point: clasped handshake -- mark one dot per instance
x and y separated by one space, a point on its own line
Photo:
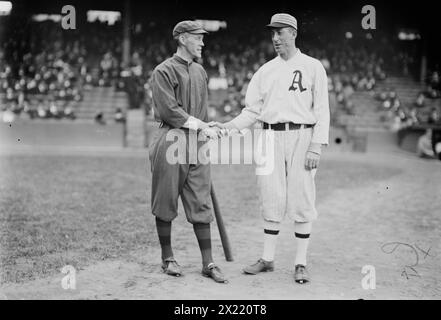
215 130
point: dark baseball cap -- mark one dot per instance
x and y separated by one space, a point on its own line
188 26
282 20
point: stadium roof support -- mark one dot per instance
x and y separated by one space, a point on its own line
127 17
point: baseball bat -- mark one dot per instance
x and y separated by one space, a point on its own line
220 225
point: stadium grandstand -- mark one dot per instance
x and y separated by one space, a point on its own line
384 80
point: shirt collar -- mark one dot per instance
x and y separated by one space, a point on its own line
181 60
293 58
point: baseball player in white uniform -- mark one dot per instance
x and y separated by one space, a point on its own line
288 95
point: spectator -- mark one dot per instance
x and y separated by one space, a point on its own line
396 124
99 118
433 93
7 116
433 117
402 115
424 145
413 117
41 111
119 116
434 80
395 103
436 142
69 113
53 111
419 102
387 104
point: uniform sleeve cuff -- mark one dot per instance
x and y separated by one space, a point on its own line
194 124
315 147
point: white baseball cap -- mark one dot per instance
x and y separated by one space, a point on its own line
282 20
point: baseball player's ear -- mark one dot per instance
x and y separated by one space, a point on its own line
181 39
293 31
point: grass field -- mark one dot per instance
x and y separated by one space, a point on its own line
77 210
57 210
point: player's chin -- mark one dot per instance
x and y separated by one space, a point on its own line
198 54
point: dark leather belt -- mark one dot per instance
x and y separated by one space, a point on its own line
286 126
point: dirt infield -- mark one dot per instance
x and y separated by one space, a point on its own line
379 210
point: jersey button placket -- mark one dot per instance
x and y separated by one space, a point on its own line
190 91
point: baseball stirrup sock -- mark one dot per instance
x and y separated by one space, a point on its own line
302 248
302 231
164 234
269 244
202 232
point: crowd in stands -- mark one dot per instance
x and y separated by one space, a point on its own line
45 71
44 74
433 86
420 111
44 86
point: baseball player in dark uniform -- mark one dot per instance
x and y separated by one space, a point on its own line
287 97
180 96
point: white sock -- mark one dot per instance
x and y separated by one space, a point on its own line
269 244
302 232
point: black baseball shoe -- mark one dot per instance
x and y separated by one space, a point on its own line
301 275
214 272
171 267
260 266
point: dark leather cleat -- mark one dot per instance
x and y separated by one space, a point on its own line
260 266
171 267
214 272
301 275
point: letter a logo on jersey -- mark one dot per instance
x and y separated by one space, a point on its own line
297 82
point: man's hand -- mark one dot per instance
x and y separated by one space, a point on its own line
220 128
312 160
217 124
225 128
210 133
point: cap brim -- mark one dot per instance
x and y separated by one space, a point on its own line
278 25
198 31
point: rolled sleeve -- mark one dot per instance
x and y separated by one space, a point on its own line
164 100
321 107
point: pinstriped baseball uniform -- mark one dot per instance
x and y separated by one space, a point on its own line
295 91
